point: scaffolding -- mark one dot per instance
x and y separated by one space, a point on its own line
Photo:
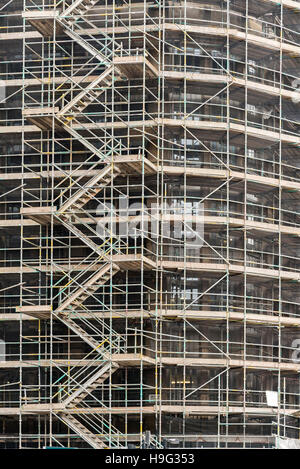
149 277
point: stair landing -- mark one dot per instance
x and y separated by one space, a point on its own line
43 21
42 117
134 262
39 311
133 66
41 215
132 164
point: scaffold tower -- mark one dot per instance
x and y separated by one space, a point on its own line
149 278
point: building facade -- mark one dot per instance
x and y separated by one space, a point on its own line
149 223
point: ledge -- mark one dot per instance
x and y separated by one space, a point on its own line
31 409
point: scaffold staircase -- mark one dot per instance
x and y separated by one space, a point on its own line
106 341
82 389
87 338
89 190
102 53
88 95
78 9
110 341
74 301
69 310
93 440
110 435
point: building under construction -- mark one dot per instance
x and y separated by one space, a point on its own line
149 276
